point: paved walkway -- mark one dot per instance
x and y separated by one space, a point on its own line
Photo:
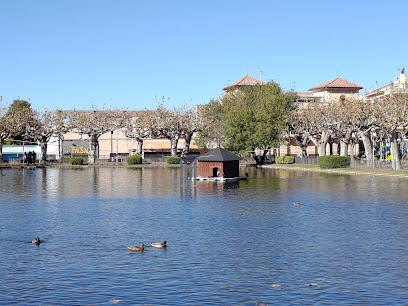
351 171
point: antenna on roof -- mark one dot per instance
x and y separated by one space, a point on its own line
247 69
338 72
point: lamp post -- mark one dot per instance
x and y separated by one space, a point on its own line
117 146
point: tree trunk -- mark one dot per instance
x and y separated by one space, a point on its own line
187 142
43 154
61 148
1 150
303 150
174 142
139 147
321 143
321 149
343 148
302 142
367 145
93 141
344 143
395 152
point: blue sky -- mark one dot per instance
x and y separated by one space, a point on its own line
66 54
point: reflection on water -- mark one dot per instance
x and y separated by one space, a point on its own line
238 243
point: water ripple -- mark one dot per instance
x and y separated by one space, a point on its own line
227 244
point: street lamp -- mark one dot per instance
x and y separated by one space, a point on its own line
117 146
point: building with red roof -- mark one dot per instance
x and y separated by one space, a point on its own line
332 90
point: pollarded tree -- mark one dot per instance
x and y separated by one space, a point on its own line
391 115
296 129
167 123
318 125
135 126
95 123
41 125
191 122
363 122
341 123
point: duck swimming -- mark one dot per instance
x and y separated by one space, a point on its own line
36 241
297 203
159 244
136 248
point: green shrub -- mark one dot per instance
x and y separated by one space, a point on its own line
285 160
334 161
134 159
172 160
76 161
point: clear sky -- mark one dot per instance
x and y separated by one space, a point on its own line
66 54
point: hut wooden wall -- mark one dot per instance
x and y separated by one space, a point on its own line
227 168
206 168
231 168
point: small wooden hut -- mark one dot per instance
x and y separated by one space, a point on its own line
218 163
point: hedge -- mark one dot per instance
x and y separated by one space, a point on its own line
285 160
76 161
334 161
134 159
172 160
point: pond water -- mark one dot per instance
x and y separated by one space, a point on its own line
228 244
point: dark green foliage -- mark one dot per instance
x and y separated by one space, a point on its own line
21 112
212 129
134 160
18 106
76 160
172 160
253 117
334 161
285 160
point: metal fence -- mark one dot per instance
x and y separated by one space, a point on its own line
308 160
355 162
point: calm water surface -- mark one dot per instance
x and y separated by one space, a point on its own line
234 245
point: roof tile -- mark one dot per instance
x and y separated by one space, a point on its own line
245 81
337 83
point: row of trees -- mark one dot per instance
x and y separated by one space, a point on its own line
253 117
349 120
239 121
20 122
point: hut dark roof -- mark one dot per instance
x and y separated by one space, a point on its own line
218 155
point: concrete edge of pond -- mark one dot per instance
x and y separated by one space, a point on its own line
374 172
56 165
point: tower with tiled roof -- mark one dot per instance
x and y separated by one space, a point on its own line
246 80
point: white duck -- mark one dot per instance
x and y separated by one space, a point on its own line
36 241
159 244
